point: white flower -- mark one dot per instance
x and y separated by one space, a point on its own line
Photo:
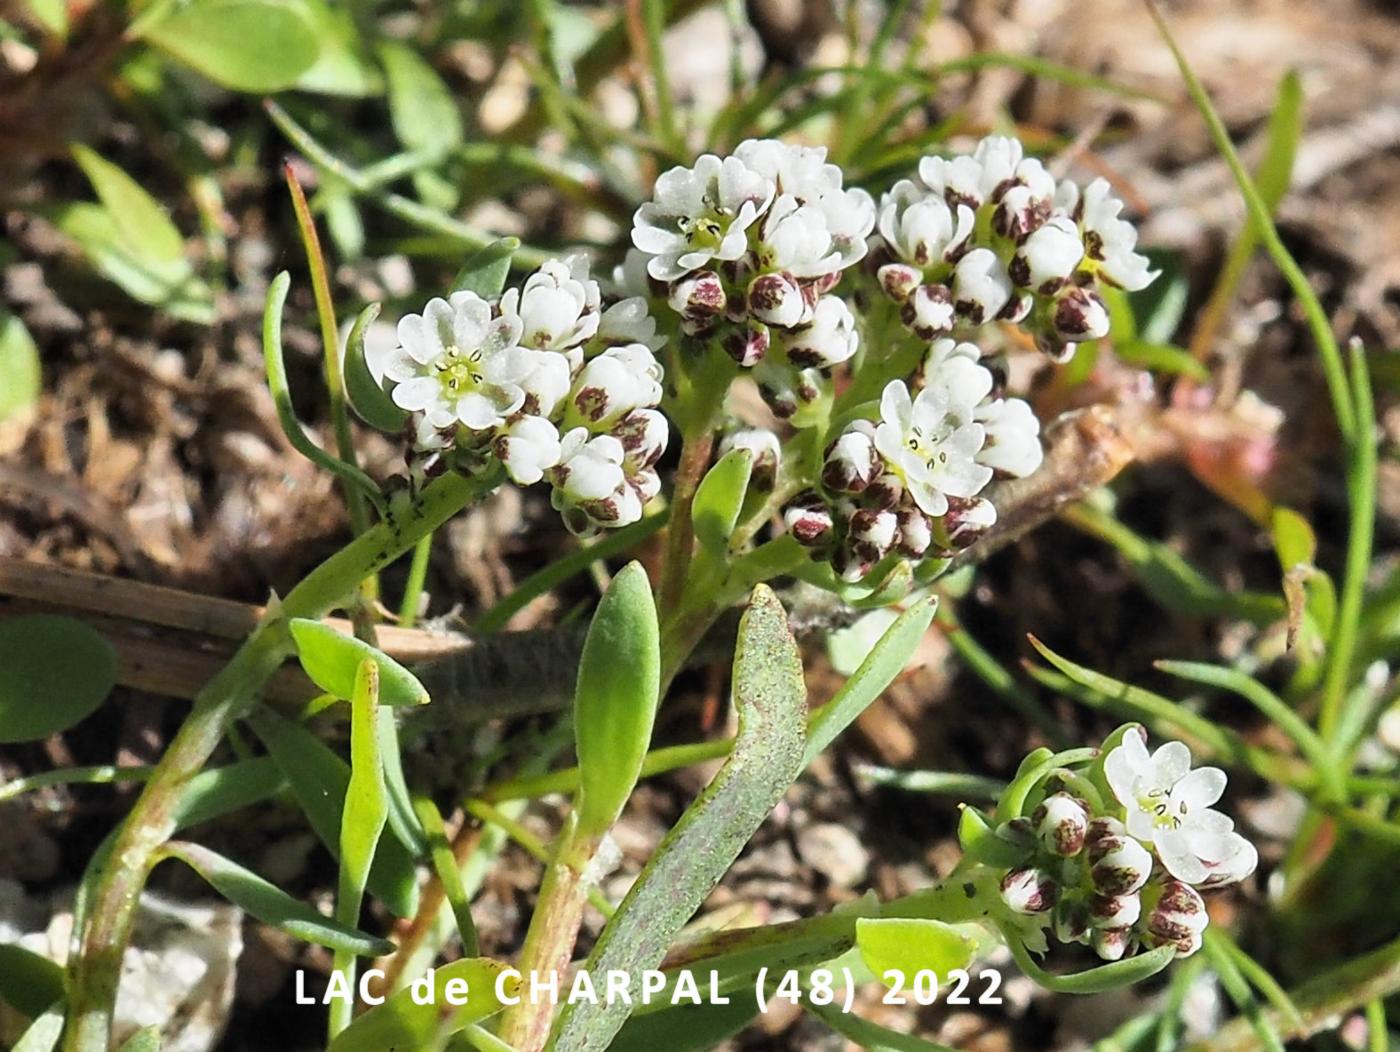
1169 805
629 321
803 174
590 483
644 434
548 382
1013 437
851 461
828 339
796 238
776 299
614 383
527 446
1179 918
557 306
973 179
981 286
699 214
929 311
1049 255
922 228
455 364
1108 239
931 442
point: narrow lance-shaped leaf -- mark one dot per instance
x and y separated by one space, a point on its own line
428 1010
147 1039
271 904
911 945
366 805
769 696
19 366
319 780
720 498
42 1034
1093 980
331 660
247 45
28 982
619 680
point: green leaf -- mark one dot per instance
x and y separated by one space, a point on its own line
147 1039
20 378
139 218
246 45
1094 980
421 107
687 1027
449 872
1158 309
52 15
368 397
871 1036
43 1033
1163 358
884 662
29 983
770 698
910 945
218 791
719 499
342 67
331 659
57 671
1294 539
270 904
486 270
366 802
319 780
1285 130
402 1023
619 683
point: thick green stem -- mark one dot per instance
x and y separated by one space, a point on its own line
95 970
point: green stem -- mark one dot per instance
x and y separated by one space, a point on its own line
413 587
92 982
100 775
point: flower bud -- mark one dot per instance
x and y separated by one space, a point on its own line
1178 919
763 444
1029 890
1080 315
747 344
808 519
1111 943
980 286
852 460
1018 308
1061 822
968 518
1048 257
644 434
1118 865
898 280
1071 919
527 446
1020 211
699 299
852 561
886 491
776 299
928 312
828 339
1115 911
876 528
613 384
915 532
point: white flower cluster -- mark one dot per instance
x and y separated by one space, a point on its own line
993 236
748 248
909 482
1129 877
545 381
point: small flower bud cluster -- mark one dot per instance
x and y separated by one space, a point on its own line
1127 877
992 236
748 248
547 383
908 483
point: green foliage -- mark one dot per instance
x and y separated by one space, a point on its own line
246 45
486 270
406 1023
332 660
719 500
910 944
367 396
769 695
20 377
43 1033
270 904
619 681
57 671
29 983
147 1039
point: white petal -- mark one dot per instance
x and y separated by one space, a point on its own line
1200 788
1170 764
476 411
1124 766
1181 861
417 394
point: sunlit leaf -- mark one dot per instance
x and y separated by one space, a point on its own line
29 983
719 499
911 945
486 270
19 366
56 672
421 107
246 45
270 904
615 703
402 1022
331 659
367 395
